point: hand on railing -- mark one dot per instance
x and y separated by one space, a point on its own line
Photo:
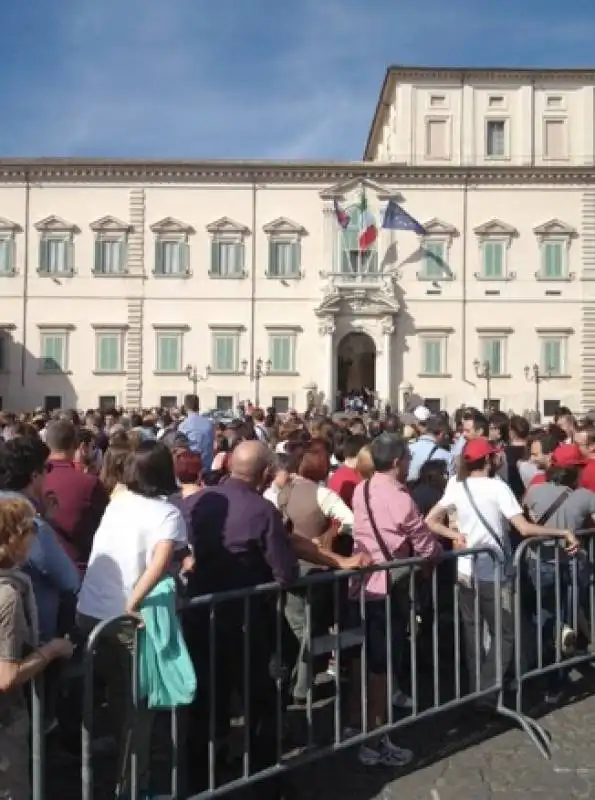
358 561
573 545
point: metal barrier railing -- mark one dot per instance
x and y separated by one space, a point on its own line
554 593
262 642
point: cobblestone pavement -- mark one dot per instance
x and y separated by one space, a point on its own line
456 761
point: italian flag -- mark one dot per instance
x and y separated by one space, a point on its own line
368 230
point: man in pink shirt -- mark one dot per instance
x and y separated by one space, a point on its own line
388 526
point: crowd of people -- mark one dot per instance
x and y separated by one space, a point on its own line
97 509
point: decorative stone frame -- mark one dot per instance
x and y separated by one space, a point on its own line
554 230
8 232
173 230
111 229
491 232
283 230
56 228
443 232
228 231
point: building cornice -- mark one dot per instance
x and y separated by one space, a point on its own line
68 171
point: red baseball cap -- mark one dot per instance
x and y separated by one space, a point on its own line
568 455
477 449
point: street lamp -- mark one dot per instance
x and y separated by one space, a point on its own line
484 371
535 375
192 373
261 370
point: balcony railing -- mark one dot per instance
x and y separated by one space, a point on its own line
349 279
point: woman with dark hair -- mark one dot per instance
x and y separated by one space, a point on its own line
483 504
132 551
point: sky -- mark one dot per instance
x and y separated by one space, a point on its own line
276 79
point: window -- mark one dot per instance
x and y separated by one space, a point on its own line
491 405
433 260
172 252
226 351
224 402
495 138
554 139
169 351
107 402
282 352
493 260
168 401
433 352
437 145
56 255
7 255
354 260
109 351
553 355
109 257
52 402
554 238
433 404
280 404
493 354
284 259
550 408
553 259
227 259
54 351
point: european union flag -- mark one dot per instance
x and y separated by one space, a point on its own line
397 219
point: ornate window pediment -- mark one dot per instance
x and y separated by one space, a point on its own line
283 225
436 227
227 225
554 228
171 225
108 224
54 224
495 227
8 226
339 190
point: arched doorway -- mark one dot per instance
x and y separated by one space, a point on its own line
356 363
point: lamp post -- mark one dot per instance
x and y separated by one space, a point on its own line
261 370
535 375
484 371
193 375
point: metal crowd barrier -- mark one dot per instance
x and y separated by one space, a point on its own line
239 640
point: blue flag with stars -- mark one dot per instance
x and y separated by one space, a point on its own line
397 219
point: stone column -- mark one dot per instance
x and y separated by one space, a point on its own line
385 384
326 328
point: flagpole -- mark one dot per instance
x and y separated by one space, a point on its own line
362 209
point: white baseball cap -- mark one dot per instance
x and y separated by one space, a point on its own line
422 414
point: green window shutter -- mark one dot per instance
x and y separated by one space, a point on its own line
281 354
99 265
44 259
224 353
159 257
215 259
184 258
168 353
7 253
53 352
273 260
296 258
109 353
552 356
432 357
433 259
69 257
239 258
553 260
493 352
493 261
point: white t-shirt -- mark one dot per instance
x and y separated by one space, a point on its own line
122 550
498 505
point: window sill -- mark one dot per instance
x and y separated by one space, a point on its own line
496 158
434 375
229 373
495 377
123 274
236 277
43 274
172 276
562 377
296 277
444 278
511 276
561 279
108 372
9 274
54 372
170 372
282 374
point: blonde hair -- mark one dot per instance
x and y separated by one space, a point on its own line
364 464
16 524
409 433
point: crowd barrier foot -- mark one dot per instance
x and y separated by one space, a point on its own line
538 735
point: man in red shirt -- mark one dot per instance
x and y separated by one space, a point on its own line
344 479
587 478
78 499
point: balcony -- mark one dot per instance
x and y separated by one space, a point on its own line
360 280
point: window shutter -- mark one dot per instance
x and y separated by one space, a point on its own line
240 258
44 265
296 252
69 265
159 257
273 260
99 260
123 256
184 258
215 262
12 256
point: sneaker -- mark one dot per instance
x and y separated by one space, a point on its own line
401 700
387 754
568 640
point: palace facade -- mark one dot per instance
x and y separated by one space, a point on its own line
130 283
